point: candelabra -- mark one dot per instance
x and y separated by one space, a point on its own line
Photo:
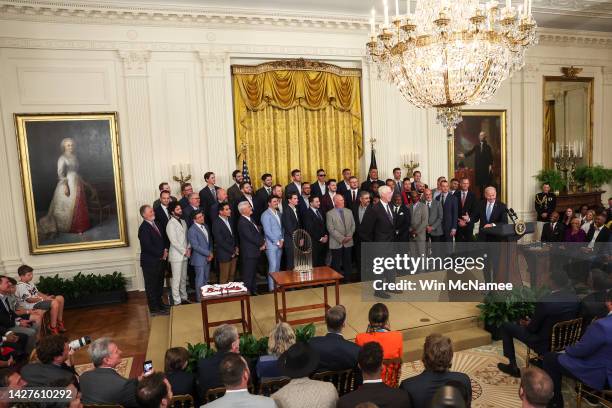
410 163
184 173
565 157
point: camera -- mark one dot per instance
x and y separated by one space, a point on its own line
80 342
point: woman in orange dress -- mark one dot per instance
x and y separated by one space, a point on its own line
379 331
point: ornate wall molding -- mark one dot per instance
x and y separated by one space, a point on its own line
531 73
607 75
299 64
135 62
213 63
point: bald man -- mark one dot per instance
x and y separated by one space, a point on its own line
536 388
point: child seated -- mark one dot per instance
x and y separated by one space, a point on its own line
31 299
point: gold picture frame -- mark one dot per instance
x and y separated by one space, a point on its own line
71 180
465 137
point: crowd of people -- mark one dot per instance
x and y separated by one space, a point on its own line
369 358
223 230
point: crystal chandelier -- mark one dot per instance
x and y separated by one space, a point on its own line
450 53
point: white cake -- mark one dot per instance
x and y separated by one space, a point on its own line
230 288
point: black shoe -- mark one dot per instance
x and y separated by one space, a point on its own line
160 313
186 302
509 369
165 307
381 294
397 292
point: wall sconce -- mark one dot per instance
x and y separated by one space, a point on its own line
181 173
410 162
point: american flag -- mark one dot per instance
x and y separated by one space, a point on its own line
245 172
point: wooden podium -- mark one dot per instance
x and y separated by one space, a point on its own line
323 275
507 256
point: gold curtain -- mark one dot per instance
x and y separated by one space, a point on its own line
550 136
297 118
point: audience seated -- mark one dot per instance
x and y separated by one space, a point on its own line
16 333
589 360
335 352
54 362
561 304
437 359
104 385
373 390
226 341
568 214
536 389
554 230
34 316
154 391
593 305
280 339
379 331
175 364
574 233
234 372
298 363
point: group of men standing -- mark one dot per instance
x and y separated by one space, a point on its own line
217 227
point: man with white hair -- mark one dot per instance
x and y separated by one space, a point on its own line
341 227
251 244
104 385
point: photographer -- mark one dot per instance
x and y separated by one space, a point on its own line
55 363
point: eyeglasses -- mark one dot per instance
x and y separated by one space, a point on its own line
321 175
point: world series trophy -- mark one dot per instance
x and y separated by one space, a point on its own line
302 251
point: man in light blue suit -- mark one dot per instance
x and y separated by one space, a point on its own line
589 360
235 374
200 239
273 231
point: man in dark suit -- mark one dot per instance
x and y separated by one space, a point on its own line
450 210
295 186
314 224
372 179
598 233
103 384
553 231
401 214
233 192
247 195
186 191
261 195
153 252
336 353
437 359
416 175
304 199
545 203
20 342
535 331
588 361
162 215
373 390
380 227
226 243
327 201
251 244
208 194
490 212
54 363
351 195
344 185
193 206
319 187
466 204
290 220
163 186
362 216
226 341
483 162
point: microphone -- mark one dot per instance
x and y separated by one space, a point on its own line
513 216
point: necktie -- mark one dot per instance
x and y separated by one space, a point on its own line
443 199
429 204
389 214
354 195
268 190
204 231
227 224
462 198
489 211
213 190
342 217
318 214
155 228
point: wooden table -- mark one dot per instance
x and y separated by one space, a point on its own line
245 312
323 275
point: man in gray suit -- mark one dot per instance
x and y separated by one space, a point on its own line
341 227
434 221
235 375
418 224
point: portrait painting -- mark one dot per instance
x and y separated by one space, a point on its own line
478 151
71 178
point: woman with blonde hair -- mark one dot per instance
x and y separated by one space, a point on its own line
281 338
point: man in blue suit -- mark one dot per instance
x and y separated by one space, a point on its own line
200 239
589 361
153 253
274 234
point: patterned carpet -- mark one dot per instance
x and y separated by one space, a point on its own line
123 368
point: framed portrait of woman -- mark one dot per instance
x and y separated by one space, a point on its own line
71 179
477 151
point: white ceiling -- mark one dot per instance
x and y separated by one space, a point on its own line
588 15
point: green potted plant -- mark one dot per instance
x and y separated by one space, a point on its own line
552 177
86 290
196 352
499 308
593 176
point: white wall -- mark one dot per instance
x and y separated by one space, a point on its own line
171 85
